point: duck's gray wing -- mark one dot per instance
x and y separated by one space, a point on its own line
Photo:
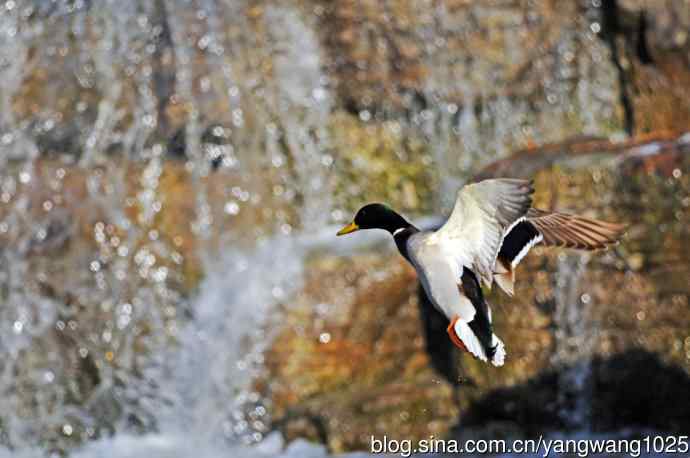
483 213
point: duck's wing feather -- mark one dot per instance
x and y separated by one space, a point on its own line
439 275
551 229
573 231
483 213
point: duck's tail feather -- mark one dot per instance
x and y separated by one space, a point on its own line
476 335
499 355
466 339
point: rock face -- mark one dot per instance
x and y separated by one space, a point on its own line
559 67
352 361
650 48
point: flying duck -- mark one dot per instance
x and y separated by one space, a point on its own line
490 230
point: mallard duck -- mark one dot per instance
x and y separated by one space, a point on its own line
490 230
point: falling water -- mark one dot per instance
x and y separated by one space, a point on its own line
575 336
121 314
225 342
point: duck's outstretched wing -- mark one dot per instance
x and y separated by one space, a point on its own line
572 231
483 213
550 229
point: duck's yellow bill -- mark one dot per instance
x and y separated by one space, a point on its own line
349 228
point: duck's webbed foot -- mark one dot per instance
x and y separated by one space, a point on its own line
453 335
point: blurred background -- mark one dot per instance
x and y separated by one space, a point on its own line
173 172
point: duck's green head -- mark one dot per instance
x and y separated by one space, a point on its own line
375 216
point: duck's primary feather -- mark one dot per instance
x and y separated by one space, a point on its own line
572 231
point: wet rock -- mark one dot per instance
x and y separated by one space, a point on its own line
380 162
650 49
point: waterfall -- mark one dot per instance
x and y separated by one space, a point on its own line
575 336
120 312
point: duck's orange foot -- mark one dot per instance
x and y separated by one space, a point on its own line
453 335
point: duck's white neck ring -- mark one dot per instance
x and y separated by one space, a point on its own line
398 230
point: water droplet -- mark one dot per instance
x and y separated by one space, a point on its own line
278 292
231 208
237 117
48 376
277 160
204 42
149 120
205 84
160 274
123 321
324 337
319 93
41 234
